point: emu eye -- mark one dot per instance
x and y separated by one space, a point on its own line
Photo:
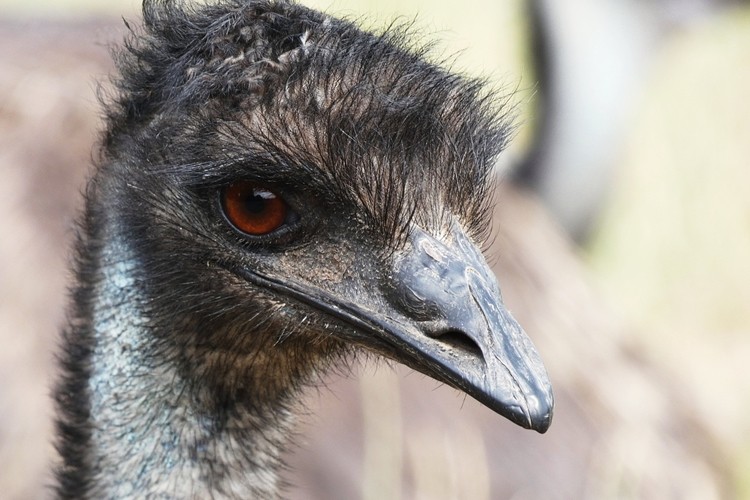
253 209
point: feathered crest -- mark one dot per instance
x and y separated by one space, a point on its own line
399 136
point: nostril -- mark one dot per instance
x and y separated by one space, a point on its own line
446 334
459 340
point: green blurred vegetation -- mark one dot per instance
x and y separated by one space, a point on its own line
673 250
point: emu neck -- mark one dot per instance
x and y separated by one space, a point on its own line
155 429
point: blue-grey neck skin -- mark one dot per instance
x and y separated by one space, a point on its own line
153 431
174 380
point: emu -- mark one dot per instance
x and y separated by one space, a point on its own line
277 192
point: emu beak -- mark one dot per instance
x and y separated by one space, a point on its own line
439 311
460 332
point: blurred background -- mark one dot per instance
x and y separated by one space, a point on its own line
622 244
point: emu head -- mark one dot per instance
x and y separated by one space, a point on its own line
294 189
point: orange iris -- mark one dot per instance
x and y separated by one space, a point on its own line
252 208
